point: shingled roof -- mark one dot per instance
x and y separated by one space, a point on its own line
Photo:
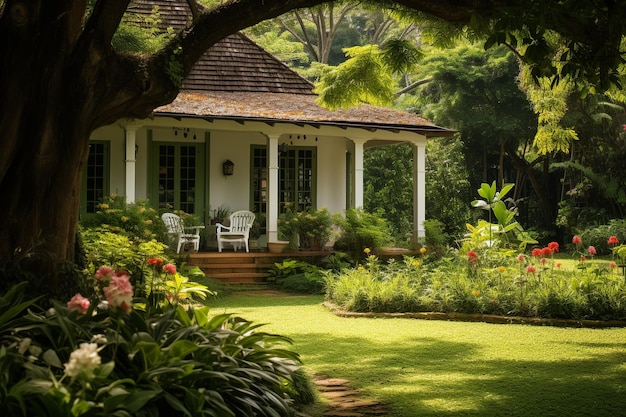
238 80
234 64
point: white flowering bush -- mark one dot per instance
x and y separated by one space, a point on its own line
105 357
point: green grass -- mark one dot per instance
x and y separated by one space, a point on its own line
434 368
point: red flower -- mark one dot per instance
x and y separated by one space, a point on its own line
546 251
576 240
591 250
536 252
155 261
582 258
554 246
613 240
543 261
472 256
612 265
169 268
559 264
520 257
531 269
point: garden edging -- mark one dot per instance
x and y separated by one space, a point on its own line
477 317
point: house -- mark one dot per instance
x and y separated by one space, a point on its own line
246 132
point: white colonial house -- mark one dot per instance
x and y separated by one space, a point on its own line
247 133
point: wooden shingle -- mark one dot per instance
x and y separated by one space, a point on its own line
234 64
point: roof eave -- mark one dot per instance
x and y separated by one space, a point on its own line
427 130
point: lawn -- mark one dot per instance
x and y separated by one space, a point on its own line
433 368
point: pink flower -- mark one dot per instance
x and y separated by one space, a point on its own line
530 269
554 246
119 293
576 240
80 303
169 268
104 272
613 240
612 265
591 250
520 257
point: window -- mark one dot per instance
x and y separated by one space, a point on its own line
296 178
179 177
96 177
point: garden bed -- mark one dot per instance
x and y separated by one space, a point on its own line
477 317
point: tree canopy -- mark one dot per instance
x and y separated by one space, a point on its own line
61 78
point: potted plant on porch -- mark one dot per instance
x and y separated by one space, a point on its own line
308 230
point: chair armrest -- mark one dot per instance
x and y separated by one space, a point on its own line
220 226
196 229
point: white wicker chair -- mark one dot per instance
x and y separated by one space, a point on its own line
238 232
176 231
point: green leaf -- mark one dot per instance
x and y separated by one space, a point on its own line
488 192
51 358
131 402
182 348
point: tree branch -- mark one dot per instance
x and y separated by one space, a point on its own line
104 20
413 85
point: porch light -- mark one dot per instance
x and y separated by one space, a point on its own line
228 167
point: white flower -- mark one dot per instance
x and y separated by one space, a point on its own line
83 361
24 345
99 339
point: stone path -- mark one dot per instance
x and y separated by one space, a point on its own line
346 401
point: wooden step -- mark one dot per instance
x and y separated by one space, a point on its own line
242 267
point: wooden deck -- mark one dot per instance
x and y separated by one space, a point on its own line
231 267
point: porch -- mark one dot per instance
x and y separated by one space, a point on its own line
232 268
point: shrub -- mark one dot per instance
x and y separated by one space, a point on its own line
360 230
83 359
598 236
138 220
297 276
519 286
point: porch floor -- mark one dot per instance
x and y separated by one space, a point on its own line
229 267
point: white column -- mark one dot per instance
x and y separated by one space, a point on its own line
131 143
272 188
419 190
358 171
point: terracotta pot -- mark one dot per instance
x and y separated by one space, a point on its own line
277 246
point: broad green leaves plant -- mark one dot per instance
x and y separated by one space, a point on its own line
507 228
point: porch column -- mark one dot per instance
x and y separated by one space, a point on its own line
131 142
419 191
358 171
272 188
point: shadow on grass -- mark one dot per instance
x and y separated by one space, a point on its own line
433 376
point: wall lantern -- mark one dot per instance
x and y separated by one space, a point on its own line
228 167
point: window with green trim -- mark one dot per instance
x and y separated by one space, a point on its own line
296 178
96 176
179 170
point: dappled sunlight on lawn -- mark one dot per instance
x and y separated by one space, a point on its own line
432 368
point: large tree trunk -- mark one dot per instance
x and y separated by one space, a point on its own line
60 79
